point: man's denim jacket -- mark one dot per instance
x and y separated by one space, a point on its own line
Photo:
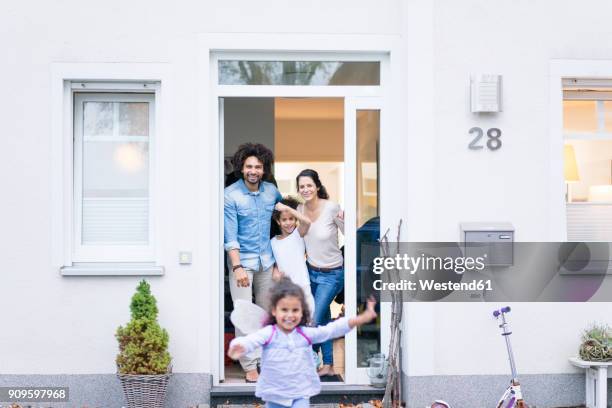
247 219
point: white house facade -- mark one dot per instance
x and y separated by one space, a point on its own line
118 118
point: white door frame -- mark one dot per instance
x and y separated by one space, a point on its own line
212 47
351 105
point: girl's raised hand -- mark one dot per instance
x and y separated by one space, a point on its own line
281 207
366 316
236 351
370 312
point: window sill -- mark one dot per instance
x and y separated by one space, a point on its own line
112 269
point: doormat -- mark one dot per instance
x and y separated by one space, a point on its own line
331 378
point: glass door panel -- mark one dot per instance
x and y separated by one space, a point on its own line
362 210
368 221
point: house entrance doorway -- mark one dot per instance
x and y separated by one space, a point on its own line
335 130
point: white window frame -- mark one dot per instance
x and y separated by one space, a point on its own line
118 252
584 218
67 79
581 95
590 72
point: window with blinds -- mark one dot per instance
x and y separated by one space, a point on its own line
113 134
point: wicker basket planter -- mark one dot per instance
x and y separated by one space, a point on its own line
145 391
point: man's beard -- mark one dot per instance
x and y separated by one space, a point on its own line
253 179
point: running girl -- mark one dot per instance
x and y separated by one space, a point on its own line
288 374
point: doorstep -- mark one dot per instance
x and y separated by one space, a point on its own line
312 405
331 394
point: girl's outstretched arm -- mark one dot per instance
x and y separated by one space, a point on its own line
320 334
340 327
236 351
243 345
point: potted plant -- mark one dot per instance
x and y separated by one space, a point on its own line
143 362
596 343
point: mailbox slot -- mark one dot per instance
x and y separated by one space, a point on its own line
494 242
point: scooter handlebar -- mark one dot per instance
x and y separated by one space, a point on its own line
506 309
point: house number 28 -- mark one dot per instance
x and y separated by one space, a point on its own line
493 138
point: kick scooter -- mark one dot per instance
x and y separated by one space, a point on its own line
512 397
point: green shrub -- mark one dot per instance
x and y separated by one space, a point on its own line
596 343
143 305
143 344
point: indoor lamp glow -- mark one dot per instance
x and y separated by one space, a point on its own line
129 158
570 168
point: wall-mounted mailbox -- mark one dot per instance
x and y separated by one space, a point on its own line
492 241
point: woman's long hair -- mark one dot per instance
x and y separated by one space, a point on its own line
321 191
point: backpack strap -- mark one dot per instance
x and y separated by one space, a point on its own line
299 330
271 335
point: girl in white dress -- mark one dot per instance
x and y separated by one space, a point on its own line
288 247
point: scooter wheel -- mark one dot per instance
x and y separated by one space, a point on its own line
440 404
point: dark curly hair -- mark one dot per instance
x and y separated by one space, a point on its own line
258 150
289 202
321 191
286 288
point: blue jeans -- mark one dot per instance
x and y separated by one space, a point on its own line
325 286
298 403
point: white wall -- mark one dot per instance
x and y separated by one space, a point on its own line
54 324
517 40
544 336
511 183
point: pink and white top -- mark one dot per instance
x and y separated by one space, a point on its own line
287 367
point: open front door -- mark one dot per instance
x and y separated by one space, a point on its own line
363 119
340 93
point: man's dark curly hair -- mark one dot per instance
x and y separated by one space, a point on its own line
258 150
